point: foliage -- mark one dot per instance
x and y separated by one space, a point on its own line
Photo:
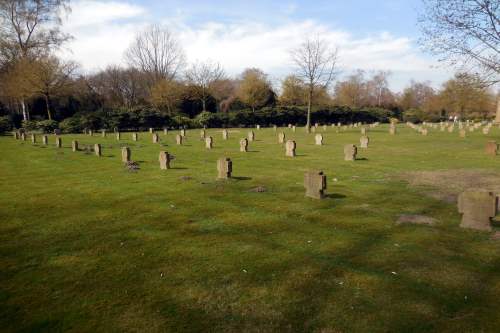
5 124
71 125
46 126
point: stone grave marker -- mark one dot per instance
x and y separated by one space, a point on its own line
244 145
491 148
209 142
224 168
350 152
281 137
98 150
290 147
315 184
318 139
364 141
156 138
126 154
164 159
478 206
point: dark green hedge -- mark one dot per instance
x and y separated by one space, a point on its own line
142 118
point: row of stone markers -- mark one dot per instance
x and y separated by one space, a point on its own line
477 206
491 147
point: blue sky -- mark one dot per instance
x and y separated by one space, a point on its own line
371 35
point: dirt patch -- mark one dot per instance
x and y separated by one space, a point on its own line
259 189
446 185
416 219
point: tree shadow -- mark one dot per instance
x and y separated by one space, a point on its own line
362 159
178 168
335 196
241 178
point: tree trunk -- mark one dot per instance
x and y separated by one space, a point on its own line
47 104
497 118
23 108
309 104
204 105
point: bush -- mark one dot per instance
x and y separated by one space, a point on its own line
29 125
182 121
71 125
206 119
46 126
5 124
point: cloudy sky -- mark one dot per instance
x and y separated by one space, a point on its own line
371 34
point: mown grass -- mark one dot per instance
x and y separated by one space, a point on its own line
87 246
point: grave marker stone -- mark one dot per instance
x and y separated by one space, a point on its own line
224 168
318 139
244 145
315 184
350 152
208 142
478 206
98 150
164 159
290 148
364 141
491 148
126 154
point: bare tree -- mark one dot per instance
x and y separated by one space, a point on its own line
157 52
30 28
465 33
202 76
316 64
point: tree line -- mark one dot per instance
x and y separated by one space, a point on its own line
38 86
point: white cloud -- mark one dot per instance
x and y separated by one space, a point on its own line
103 31
87 13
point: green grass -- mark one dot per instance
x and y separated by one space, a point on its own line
87 246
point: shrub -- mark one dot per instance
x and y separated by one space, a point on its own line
46 126
5 124
71 125
29 125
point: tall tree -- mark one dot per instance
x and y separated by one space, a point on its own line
202 76
166 93
254 89
352 91
29 29
51 77
464 97
224 92
316 64
157 52
464 33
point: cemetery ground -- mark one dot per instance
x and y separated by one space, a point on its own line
87 245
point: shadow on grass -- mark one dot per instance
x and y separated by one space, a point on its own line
335 196
241 178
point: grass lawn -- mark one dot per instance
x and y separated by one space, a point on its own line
86 245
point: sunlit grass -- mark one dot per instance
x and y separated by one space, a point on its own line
86 245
